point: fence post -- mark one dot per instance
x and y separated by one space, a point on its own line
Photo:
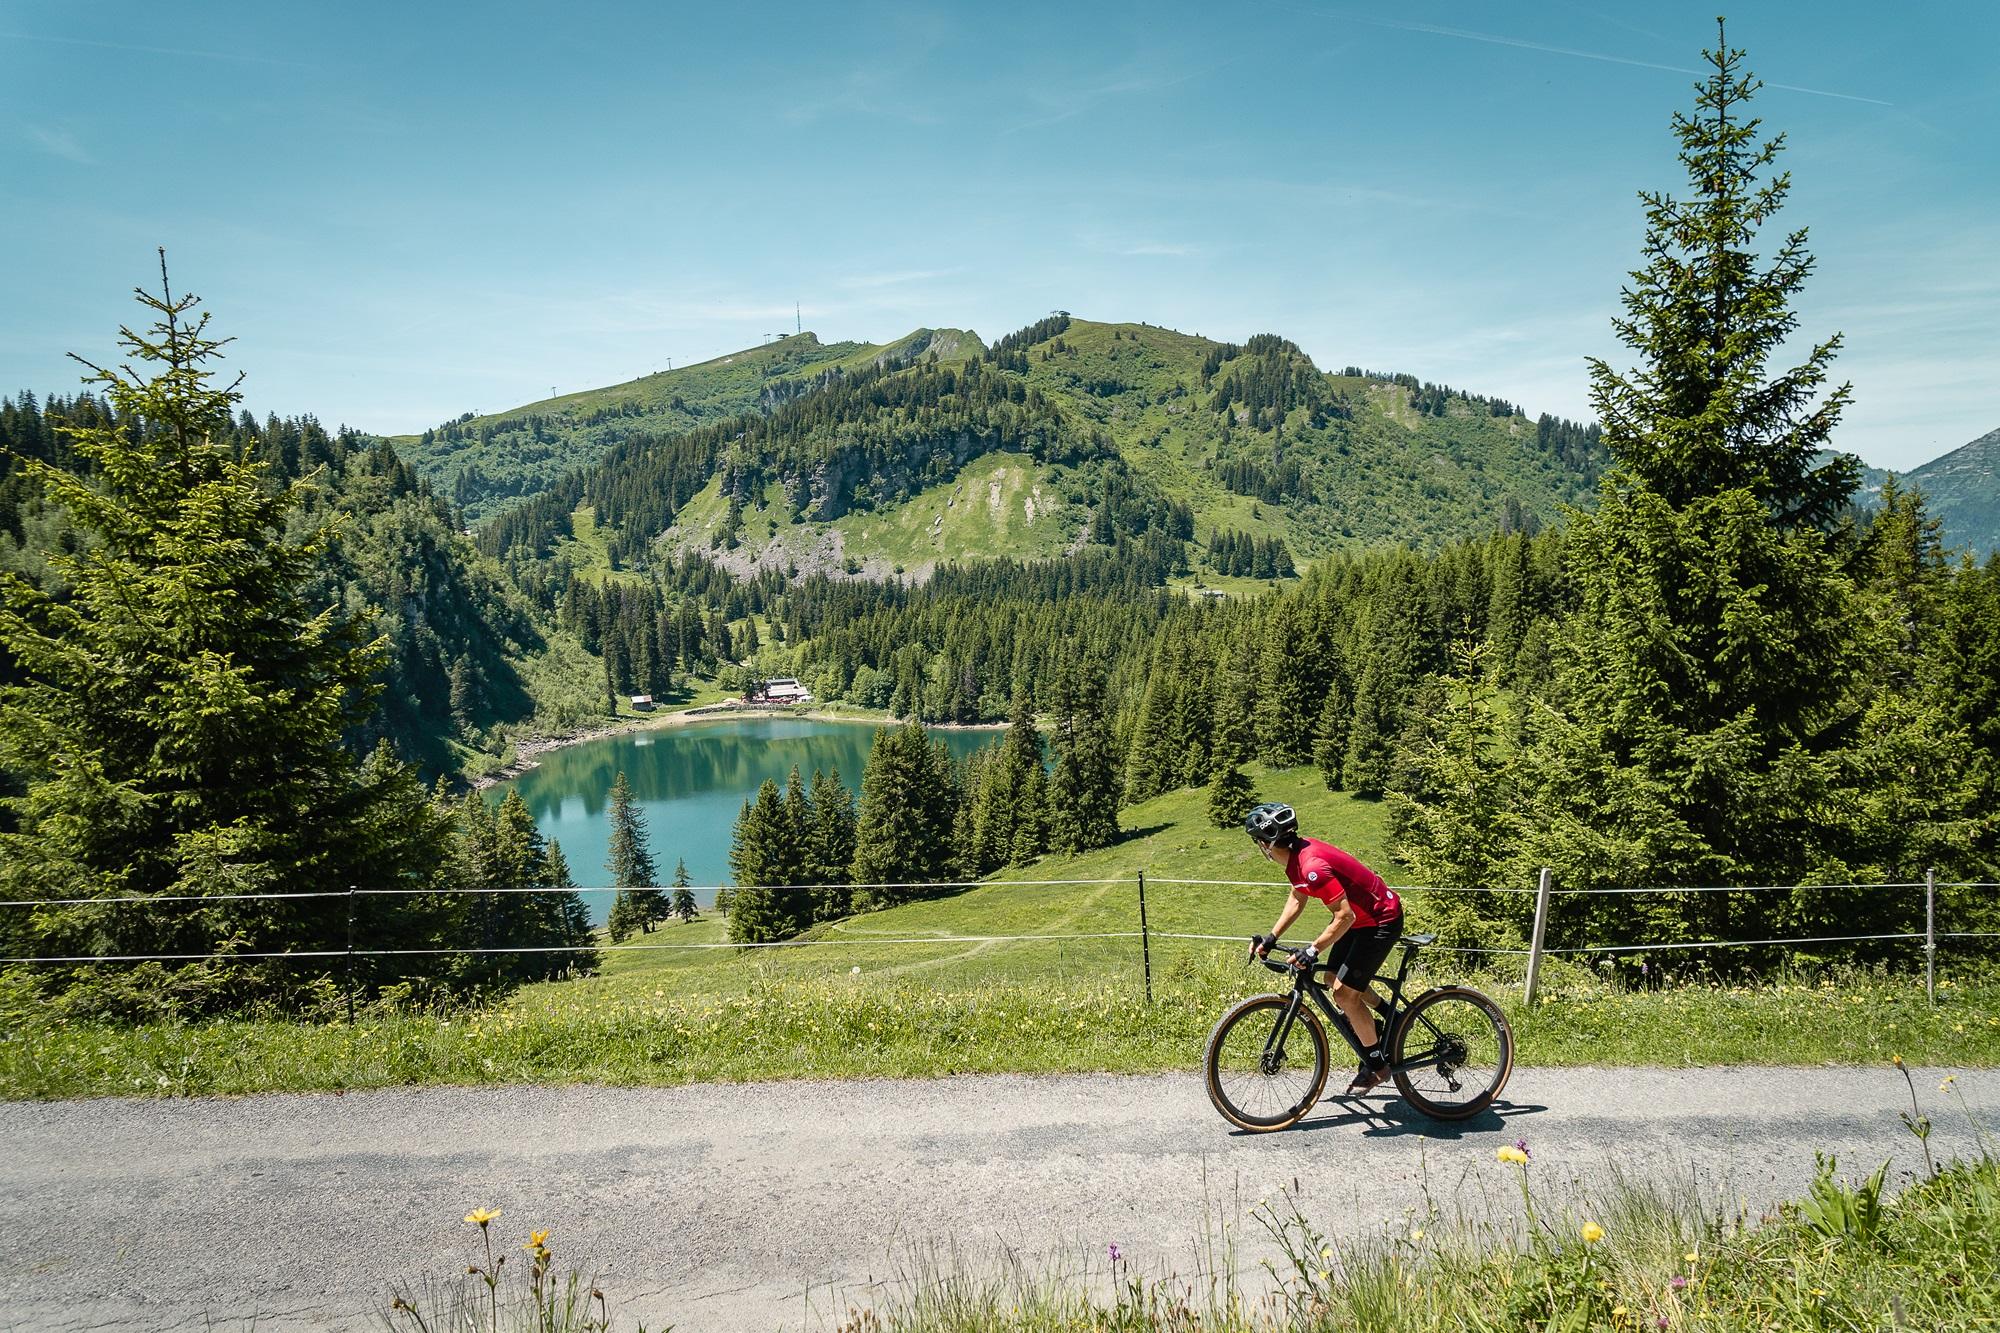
350 956
1535 944
1930 934
1145 938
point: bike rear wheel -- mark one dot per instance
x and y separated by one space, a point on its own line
1257 1081
1452 1053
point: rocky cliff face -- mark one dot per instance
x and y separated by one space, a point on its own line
1963 489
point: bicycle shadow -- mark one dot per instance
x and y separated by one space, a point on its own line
1395 1118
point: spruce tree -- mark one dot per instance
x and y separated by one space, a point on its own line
829 846
1714 716
684 904
756 860
172 720
640 904
903 833
1083 786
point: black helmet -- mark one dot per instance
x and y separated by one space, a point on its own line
1271 822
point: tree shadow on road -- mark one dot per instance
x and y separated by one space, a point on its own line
1395 1118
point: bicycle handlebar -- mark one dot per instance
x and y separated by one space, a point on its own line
1275 947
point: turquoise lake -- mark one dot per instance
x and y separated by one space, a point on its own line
690 781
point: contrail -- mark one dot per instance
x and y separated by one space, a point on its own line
1495 39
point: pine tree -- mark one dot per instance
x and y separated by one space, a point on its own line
903 834
640 905
829 847
1699 418
1715 716
172 722
1330 737
1083 787
684 904
756 860
1229 792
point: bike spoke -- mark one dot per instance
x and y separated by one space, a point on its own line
1464 1058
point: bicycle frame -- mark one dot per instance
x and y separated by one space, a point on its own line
1303 984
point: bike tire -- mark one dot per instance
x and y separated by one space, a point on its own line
1232 1084
1484 1041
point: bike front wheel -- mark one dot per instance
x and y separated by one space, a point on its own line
1452 1053
1264 1072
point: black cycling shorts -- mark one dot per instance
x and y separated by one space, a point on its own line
1358 955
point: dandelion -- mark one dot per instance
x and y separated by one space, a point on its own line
1896 1060
1592 1233
1510 1154
1692 1257
536 1239
480 1217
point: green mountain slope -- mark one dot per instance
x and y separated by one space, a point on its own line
1064 434
487 462
1963 489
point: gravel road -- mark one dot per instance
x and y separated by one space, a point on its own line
776 1206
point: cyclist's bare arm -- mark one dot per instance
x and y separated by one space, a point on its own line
1289 913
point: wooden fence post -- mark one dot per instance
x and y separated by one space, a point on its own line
1541 925
1930 934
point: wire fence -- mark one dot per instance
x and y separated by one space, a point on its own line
1547 894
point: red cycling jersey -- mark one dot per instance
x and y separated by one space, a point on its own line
1321 870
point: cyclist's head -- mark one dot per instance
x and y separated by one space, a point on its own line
1272 825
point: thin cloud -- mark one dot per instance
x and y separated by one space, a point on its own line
1068 103
60 143
1494 39
1158 248
233 56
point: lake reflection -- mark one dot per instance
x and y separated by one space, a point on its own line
690 781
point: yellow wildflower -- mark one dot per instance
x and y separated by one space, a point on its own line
536 1239
1417 1234
1592 1233
1692 1257
1511 1154
1896 1060
1949 1079
481 1216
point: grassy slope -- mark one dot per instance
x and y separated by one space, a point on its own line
521 460
1391 474
867 1007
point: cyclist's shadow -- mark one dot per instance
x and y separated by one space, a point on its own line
1394 1117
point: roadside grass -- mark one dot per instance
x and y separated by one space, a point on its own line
1618 1250
873 996
1620 1254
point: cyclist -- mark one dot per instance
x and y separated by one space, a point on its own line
1367 921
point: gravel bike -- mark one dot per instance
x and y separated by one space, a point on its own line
1450 1050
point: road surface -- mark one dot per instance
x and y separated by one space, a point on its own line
777 1206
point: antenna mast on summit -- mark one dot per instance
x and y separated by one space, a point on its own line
798 319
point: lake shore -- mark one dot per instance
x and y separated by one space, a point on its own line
528 751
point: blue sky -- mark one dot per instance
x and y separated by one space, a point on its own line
408 211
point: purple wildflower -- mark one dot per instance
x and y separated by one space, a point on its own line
1116 1253
1522 1145
1679 1283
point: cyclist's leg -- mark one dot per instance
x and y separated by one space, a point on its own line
1364 957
